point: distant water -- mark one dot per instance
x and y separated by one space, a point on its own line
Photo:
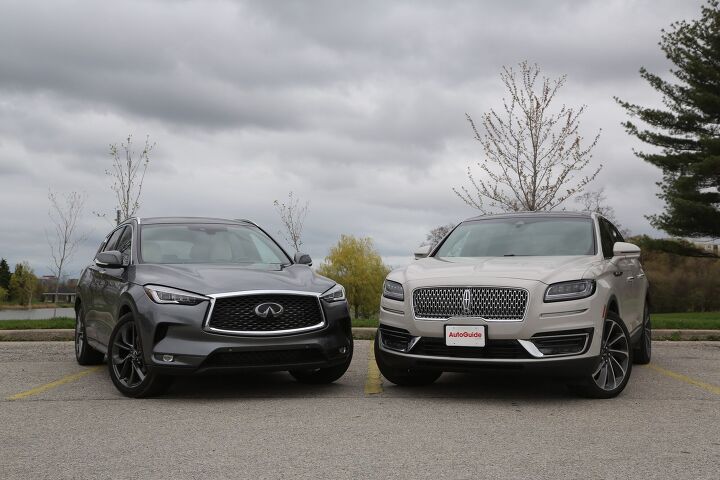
35 314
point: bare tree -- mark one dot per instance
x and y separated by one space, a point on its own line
532 154
292 214
595 201
128 174
65 211
437 234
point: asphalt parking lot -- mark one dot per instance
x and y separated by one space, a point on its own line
60 420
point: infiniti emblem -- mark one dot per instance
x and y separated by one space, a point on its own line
269 309
467 301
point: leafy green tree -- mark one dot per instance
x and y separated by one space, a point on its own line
3 294
687 129
4 274
356 265
23 284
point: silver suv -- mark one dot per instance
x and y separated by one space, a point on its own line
558 292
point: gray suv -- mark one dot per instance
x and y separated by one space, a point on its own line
172 296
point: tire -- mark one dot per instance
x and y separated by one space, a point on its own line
126 363
615 358
321 376
643 351
404 377
84 353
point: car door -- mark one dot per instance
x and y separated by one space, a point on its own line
94 302
619 270
635 281
113 281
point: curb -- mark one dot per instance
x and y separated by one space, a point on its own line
359 333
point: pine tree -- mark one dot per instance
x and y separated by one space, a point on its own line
687 130
4 274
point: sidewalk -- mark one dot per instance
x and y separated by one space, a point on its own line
359 333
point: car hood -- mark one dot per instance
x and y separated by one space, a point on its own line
484 269
211 279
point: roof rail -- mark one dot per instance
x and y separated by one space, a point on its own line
246 221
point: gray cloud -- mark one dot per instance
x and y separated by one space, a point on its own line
357 106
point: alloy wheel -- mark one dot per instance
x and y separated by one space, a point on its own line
127 363
79 334
614 357
647 329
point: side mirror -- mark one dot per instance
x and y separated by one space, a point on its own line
303 259
422 251
109 259
627 250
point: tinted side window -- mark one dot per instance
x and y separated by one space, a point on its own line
123 245
606 238
112 241
617 237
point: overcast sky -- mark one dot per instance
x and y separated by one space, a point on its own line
358 107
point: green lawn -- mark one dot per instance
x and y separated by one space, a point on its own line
691 321
14 306
365 322
61 322
679 321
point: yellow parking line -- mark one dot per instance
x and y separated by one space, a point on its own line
683 378
373 382
56 383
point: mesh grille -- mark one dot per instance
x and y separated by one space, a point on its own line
494 349
238 313
490 303
263 358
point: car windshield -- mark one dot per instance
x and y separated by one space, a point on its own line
211 243
520 236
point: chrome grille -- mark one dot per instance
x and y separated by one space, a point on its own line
490 303
237 314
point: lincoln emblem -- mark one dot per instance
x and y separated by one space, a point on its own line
467 301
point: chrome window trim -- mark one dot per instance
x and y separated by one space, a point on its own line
465 317
206 327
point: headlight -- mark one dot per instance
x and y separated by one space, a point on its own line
335 294
171 295
393 290
558 292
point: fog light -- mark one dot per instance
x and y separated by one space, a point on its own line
168 358
342 350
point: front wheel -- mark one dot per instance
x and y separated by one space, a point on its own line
319 376
127 366
643 350
612 373
404 377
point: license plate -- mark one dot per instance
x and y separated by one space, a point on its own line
465 336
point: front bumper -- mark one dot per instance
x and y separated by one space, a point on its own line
176 331
510 344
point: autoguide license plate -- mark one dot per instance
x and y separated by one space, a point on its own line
465 335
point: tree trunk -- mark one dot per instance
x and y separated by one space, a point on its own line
57 290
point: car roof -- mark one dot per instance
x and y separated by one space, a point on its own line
559 214
188 220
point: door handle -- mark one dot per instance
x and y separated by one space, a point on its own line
630 279
618 273
641 275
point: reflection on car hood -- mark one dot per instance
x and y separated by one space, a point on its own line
541 269
208 279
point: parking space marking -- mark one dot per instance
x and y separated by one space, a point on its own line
684 378
56 383
373 382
